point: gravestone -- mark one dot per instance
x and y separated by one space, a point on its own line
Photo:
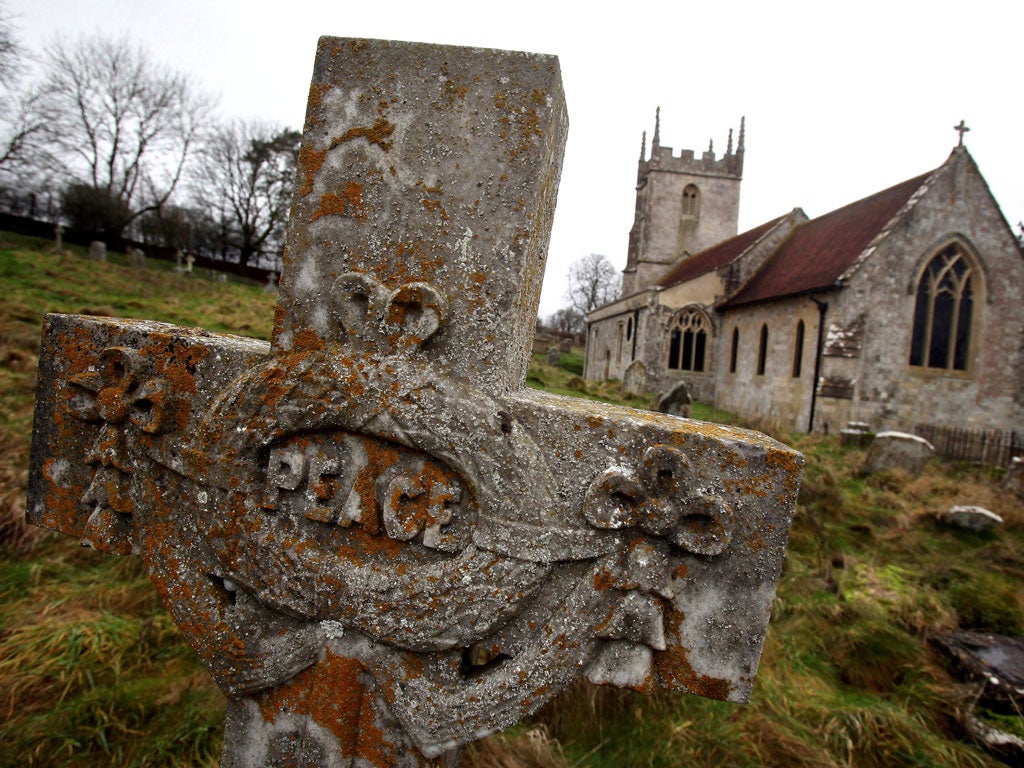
970 518
1014 480
634 380
136 257
676 401
380 544
897 450
856 434
553 356
98 250
271 284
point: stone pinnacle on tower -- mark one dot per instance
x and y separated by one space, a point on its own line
656 140
643 146
728 147
739 146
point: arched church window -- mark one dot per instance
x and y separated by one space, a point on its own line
943 312
688 341
734 350
629 329
798 350
762 350
691 201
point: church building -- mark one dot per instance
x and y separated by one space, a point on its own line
903 309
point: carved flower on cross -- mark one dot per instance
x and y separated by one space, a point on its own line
663 499
401 319
118 394
663 503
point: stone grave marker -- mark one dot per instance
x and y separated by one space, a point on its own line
676 401
553 356
634 380
98 250
897 450
380 544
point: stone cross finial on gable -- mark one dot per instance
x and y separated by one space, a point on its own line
961 128
378 542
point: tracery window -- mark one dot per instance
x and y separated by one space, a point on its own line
943 312
691 201
762 350
688 341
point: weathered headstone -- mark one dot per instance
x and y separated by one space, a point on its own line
1014 480
970 518
565 346
190 260
58 238
553 356
98 250
380 544
676 401
897 450
634 380
856 434
136 257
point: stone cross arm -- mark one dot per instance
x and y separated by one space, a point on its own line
378 542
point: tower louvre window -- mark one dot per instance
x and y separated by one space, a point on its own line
691 201
943 312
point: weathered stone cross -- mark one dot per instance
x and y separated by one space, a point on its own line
380 545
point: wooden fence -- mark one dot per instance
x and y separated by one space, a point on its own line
988 446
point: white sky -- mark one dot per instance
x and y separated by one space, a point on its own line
841 99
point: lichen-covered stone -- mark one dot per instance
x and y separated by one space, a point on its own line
380 544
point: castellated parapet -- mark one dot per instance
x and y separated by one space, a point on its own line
684 204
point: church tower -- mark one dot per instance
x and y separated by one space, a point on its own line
684 204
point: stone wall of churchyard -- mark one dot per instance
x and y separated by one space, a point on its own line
887 392
775 397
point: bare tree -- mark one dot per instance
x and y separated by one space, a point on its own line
593 282
121 125
21 120
244 182
567 320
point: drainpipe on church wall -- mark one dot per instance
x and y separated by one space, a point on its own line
822 308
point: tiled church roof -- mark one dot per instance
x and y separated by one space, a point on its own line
717 256
817 253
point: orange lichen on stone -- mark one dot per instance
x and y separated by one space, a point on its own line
674 670
330 692
348 203
311 161
379 133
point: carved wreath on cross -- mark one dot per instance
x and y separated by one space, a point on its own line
355 487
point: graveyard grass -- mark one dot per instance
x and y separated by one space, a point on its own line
93 672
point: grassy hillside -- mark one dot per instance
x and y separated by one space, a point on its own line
93 672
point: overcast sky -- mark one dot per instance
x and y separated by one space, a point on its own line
841 99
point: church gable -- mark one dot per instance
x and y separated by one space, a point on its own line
818 253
